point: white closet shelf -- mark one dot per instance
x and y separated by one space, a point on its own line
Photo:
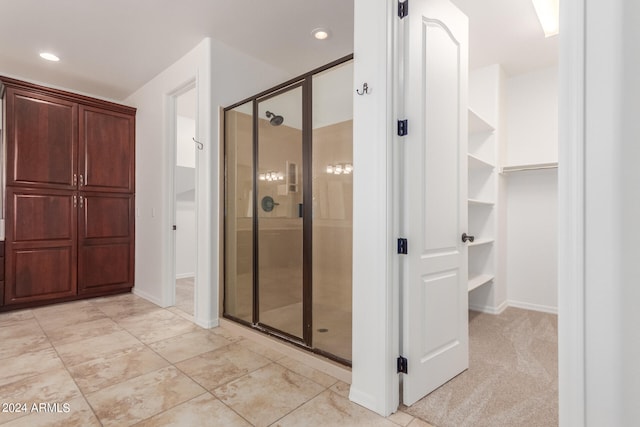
477 124
480 242
480 202
529 167
477 280
477 162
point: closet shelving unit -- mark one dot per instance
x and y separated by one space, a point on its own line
482 185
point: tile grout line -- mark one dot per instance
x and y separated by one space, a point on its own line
302 404
277 360
207 391
146 345
271 362
64 364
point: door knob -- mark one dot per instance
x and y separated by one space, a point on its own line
466 238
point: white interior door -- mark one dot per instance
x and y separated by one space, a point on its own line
434 272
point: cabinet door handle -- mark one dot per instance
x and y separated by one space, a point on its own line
75 201
81 180
81 202
75 179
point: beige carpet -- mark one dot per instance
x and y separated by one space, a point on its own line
512 378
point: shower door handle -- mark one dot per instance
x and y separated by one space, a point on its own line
300 210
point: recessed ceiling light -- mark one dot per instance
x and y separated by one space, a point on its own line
49 56
320 33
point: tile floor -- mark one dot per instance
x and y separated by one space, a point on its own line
184 294
121 361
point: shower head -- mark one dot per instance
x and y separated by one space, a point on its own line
274 119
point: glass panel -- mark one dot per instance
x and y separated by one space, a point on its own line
239 212
332 209
279 211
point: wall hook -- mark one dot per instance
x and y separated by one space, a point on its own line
365 89
199 144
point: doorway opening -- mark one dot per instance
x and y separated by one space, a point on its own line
184 200
512 193
288 210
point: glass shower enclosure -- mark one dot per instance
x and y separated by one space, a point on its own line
288 210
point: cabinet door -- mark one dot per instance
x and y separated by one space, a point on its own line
41 140
41 246
106 239
107 150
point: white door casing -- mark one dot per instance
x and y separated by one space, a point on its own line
434 274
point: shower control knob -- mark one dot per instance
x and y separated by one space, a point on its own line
466 238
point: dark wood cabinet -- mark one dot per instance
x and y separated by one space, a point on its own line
1 266
41 245
69 196
105 236
56 143
106 150
42 135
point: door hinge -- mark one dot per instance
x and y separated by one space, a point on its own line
403 246
403 127
175 227
402 365
403 8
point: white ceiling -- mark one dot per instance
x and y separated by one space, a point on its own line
110 48
507 32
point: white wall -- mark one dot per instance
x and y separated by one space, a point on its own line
532 237
375 345
484 96
532 117
222 76
333 96
612 209
599 210
154 171
531 197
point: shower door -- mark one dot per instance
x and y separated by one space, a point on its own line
289 208
280 210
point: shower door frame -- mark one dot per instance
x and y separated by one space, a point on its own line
307 225
305 81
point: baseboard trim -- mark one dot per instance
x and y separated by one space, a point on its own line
207 324
363 399
147 296
489 309
516 304
534 307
